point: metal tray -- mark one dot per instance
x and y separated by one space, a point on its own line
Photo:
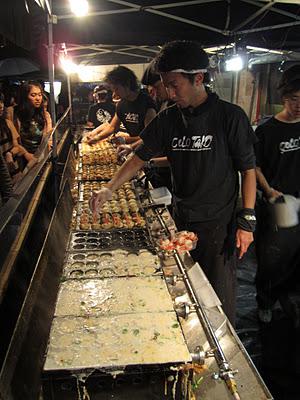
115 341
110 239
127 295
114 263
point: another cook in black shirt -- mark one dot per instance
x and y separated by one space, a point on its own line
278 154
132 113
100 113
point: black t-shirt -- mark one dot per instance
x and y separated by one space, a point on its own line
100 113
132 113
205 149
278 154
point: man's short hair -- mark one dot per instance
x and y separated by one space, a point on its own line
150 76
290 81
122 76
181 55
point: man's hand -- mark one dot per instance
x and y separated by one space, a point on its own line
98 198
123 150
243 241
91 139
272 193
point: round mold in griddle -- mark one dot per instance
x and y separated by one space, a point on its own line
91 272
106 254
93 240
77 265
128 235
78 246
139 233
104 234
92 264
104 243
80 240
91 246
106 257
92 234
141 244
78 257
107 272
92 256
76 273
128 243
80 234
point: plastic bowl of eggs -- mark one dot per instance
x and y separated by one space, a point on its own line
182 241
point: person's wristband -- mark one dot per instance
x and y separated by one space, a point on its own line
246 219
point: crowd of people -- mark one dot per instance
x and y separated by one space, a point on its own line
23 123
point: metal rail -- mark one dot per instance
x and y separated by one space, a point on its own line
225 372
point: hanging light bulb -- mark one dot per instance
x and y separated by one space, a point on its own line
79 7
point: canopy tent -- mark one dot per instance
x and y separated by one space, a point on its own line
139 27
117 31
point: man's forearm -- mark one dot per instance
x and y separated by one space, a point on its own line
126 172
263 183
160 162
104 133
248 188
133 140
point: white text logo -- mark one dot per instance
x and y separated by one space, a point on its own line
291 145
132 117
194 143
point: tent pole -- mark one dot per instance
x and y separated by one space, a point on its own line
52 100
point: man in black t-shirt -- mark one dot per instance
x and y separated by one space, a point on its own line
103 110
278 166
135 109
206 141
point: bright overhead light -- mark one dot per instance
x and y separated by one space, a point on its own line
234 63
79 7
69 66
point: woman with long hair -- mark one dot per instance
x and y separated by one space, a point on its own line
31 119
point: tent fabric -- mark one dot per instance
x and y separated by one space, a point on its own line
115 23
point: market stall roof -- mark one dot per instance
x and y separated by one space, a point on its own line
117 31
